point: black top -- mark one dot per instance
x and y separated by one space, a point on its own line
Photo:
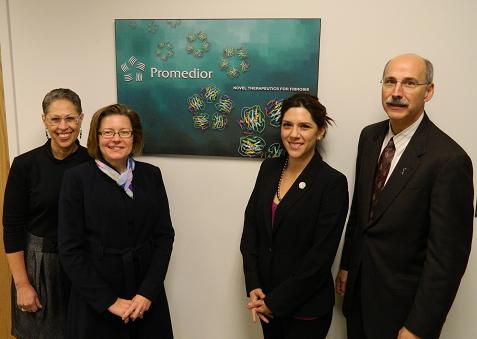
114 246
31 194
291 261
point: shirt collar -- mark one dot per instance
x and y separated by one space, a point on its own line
407 132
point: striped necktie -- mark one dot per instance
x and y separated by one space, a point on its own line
382 171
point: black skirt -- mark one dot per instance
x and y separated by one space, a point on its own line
50 283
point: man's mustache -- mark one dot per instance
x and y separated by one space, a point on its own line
401 102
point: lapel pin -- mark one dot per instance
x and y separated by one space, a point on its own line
302 185
403 171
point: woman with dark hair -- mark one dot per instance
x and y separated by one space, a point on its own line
115 235
30 220
292 229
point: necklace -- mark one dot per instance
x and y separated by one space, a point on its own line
280 181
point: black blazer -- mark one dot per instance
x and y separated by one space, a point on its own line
113 246
412 254
291 260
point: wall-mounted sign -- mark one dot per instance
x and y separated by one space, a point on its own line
214 87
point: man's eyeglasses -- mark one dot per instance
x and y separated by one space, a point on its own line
406 83
109 134
69 120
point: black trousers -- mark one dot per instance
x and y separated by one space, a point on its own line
290 328
354 320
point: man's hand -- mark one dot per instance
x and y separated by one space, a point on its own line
341 281
405 334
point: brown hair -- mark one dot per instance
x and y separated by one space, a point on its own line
116 109
61 94
312 104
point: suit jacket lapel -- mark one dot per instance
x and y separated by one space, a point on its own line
370 157
305 180
404 169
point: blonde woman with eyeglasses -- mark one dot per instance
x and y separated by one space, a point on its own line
30 220
115 235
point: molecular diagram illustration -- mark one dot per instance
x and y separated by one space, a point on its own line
252 122
252 146
197 44
174 23
209 99
132 24
273 111
164 51
274 151
234 62
152 27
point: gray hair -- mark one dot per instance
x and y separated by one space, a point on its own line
429 69
61 94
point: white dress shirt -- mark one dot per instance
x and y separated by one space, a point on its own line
401 140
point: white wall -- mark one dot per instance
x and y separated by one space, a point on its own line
65 43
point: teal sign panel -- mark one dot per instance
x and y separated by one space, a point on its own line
214 87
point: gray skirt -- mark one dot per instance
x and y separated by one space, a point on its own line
49 282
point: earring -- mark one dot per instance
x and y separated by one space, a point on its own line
46 134
81 133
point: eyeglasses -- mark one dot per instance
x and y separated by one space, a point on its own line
391 83
109 134
69 120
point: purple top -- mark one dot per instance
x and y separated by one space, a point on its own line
274 209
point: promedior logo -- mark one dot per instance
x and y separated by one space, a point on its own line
133 69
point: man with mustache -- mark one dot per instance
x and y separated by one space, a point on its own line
409 231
